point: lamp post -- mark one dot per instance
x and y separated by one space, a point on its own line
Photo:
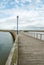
17 24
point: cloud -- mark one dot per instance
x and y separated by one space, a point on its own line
19 3
26 18
30 12
38 1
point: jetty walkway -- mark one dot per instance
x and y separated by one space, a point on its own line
27 49
30 50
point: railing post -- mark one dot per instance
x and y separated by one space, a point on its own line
40 36
36 35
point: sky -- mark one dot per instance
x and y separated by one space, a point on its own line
30 12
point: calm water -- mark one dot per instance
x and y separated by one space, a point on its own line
6 42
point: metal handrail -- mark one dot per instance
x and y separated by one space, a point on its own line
37 35
34 33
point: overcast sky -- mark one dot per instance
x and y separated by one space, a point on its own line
30 12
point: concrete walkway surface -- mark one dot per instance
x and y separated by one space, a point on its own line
31 51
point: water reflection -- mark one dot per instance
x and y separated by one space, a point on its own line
6 42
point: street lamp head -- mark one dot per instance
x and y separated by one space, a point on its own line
17 16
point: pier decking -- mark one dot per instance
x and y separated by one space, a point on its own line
31 50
